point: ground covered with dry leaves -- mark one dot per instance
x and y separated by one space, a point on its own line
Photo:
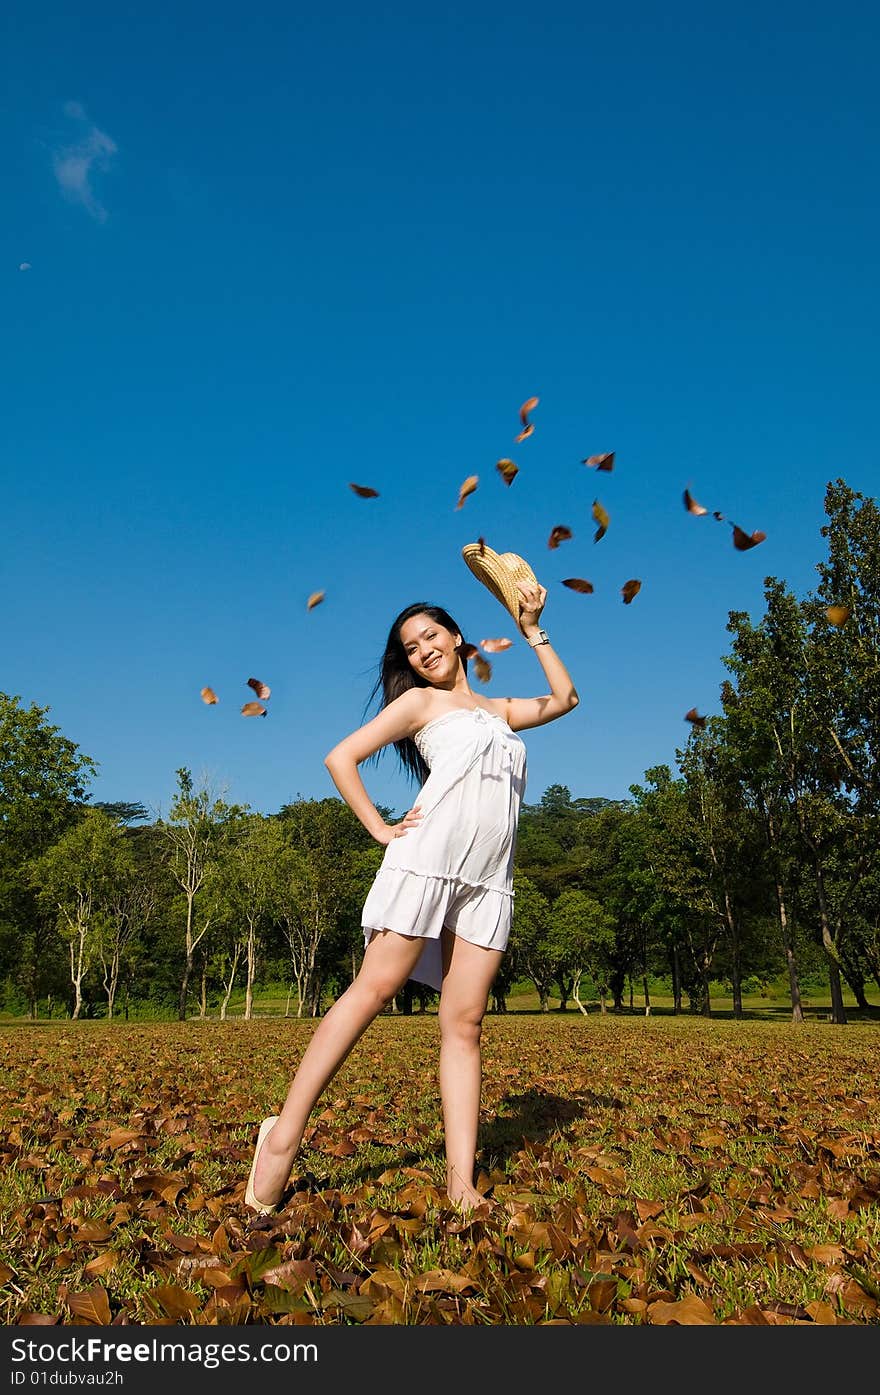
634 1171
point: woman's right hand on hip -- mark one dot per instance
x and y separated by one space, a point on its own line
397 830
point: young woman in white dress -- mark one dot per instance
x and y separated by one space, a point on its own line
440 907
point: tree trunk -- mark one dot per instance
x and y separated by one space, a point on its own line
647 994
576 990
794 988
203 990
676 981
251 971
188 962
838 1011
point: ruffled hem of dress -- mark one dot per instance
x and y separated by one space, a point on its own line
417 904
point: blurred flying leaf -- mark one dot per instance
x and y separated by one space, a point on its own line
24 266
742 541
314 599
578 583
558 534
262 690
528 406
482 668
253 709
691 504
507 470
629 589
837 614
363 491
467 488
693 717
601 517
209 696
601 462
495 646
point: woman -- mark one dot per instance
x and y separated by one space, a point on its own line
440 907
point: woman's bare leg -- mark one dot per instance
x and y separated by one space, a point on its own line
388 962
468 971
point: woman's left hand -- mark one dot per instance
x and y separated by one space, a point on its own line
532 600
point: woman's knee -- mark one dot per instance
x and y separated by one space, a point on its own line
461 1024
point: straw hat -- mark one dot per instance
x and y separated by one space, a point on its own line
500 571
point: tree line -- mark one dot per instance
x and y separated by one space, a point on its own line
759 855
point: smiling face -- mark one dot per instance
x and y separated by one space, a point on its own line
430 649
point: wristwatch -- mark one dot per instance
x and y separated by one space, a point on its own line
541 637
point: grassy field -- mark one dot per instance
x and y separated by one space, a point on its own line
636 1170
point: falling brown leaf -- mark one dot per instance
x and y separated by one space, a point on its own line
691 504
601 462
719 516
578 583
559 534
262 690
314 599
467 488
209 696
363 491
481 544
528 406
253 709
629 589
837 614
482 668
743 541
600 516
694 718
507 470
495 646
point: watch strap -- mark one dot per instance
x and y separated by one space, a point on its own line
541 637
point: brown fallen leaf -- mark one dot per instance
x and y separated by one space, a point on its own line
507 470
262 690
601 462
253 709
743 541
467 488
629 589
578 583
600 516
528 427
559 534
691 504
92 1306
314 599
691 1311
837 614
209 696
693 717
495 646
363 491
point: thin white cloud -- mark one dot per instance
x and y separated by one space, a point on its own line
76 164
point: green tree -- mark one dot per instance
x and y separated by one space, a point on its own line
76 880
193 835
44 778
581 941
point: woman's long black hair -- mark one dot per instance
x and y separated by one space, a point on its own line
396 675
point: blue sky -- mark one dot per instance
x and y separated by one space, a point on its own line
276 250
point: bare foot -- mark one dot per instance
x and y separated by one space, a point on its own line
273 1168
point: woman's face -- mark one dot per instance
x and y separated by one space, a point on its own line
430 648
